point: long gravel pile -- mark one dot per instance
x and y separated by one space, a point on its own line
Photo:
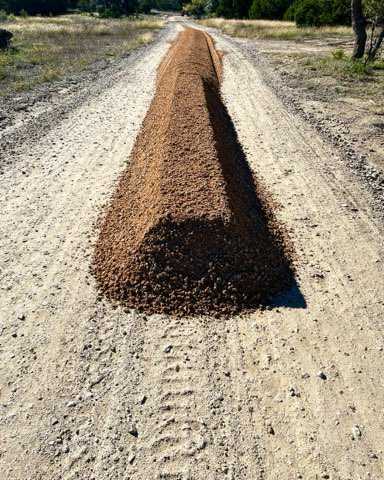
187 232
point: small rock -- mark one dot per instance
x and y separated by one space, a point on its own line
133 431
322 375
270 430
293 392
356 432
168 348
318 275
279 398
72 403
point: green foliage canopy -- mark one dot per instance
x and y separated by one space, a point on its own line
33 7
315 13
269 9
196 8
233 8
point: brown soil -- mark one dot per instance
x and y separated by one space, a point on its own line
187 232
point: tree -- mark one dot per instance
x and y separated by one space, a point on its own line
314 13
117 8
359 27
212 6
369 12
43 7
170 5
270 9
196 8
129 6
374 12
341 12
146 6
308 13
233 8
86 5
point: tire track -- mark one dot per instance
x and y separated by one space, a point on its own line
176 435
194 422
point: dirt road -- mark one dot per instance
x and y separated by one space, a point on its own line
92 392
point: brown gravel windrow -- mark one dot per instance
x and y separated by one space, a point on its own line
188 231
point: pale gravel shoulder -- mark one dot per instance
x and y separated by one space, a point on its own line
331 128
27 116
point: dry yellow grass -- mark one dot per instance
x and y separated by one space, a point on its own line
271 29
45 49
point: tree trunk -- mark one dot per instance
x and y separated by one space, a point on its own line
358 25
377 45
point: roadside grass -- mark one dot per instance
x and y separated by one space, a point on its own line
48 48
332 76
340 65
273 30
347 74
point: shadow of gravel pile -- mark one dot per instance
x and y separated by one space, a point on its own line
186 231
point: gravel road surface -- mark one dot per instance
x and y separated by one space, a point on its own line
88 391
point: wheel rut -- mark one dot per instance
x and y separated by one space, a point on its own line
175 433
188 424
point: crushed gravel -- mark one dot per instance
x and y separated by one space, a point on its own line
188 231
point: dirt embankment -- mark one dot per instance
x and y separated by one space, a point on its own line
187 231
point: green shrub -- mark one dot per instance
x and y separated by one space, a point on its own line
315 13
338 54
309 13
23 13
3 16
356 68
378 65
